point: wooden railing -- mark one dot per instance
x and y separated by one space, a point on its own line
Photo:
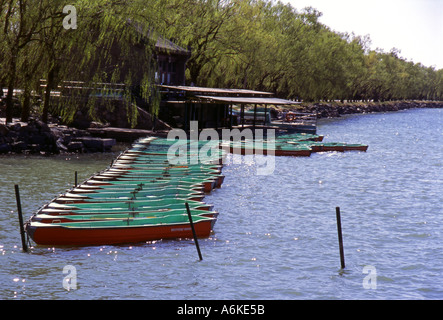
80 88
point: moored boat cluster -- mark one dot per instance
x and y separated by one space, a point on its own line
296 145
140 197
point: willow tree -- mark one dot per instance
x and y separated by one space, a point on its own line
261 44
29 75
238 49
439 85
300 34
201 26
111 44
21 21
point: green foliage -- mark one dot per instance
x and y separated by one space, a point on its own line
256 44
269 45
35 45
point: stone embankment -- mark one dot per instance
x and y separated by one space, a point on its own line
84 134
337 109
36 137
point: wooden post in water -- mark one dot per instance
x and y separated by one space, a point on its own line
75 179
193 231
20 219
340 237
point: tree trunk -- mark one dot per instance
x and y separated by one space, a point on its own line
10 94
9 102
49 84
26 106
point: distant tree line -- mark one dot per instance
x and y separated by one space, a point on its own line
268 45
255 44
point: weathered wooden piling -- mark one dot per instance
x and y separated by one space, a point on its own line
20 219
193 231
340 237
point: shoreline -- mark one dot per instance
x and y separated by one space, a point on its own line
36 137
337 109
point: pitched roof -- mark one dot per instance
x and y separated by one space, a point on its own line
162 43
169 46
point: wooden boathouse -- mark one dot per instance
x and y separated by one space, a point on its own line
229 108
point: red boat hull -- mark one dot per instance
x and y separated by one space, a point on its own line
277 152
61 236
337 148
293 153
356 148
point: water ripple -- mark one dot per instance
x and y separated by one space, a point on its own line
276 235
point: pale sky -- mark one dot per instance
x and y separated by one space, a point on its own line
415 27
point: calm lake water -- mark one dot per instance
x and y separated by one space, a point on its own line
276 236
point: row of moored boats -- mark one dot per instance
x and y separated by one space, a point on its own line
296 145
142 196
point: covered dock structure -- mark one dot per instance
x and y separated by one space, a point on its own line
229 108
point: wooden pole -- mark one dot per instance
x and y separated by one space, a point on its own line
217 116
186 124
20 219
255 117
230 117
75 179
242 115
200 116
340 237
193 231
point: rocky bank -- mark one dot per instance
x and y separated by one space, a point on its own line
337 109
36 137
